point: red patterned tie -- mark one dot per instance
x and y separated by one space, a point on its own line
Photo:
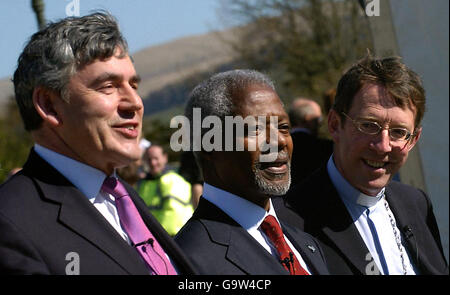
273 231
143 240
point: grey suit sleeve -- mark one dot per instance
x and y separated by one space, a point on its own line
17 255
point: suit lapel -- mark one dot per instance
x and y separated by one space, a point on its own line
78 214
306 249
343 232
403 214
245 252
242 249
333 219
164 239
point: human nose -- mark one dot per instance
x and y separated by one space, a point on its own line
382 142
130 99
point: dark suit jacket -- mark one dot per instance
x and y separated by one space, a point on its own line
308 155
320 212
217 245
43 217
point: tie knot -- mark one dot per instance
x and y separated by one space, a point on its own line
113 186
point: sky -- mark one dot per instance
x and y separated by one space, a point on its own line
143 22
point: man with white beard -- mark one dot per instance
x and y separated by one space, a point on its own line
235 229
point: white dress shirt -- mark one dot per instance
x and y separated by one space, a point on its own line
362 207
249 216
89 181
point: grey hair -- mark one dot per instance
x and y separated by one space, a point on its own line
54 54
214 96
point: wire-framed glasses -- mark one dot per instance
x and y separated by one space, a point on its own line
373 128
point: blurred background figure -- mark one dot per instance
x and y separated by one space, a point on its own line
135 171
310 151
190 171
166 193
130 173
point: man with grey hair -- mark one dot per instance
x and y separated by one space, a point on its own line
234 229
310 151
66 212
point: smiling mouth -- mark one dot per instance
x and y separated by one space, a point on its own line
129 130
277 167
375 164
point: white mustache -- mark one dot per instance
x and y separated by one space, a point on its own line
274 157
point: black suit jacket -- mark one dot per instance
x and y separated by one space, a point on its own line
316 207
44 218
308 155
217 245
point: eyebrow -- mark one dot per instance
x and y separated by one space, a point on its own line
107 76
373 119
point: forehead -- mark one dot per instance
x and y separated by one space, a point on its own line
257 100
119 66
376 97
155 151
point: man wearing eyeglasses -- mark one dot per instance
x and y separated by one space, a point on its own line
367 223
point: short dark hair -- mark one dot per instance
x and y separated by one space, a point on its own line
56 52
402 83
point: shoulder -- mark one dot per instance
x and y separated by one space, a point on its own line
406 192
198 242
208 225
172 176
311 189
16 192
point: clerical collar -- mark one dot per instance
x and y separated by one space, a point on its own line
347 192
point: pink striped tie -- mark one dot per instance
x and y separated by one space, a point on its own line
141 237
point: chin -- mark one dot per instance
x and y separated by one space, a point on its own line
273 188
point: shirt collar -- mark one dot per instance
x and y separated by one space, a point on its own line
347 192
245 213
87 179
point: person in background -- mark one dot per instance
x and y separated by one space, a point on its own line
190 171
368 223
235 229
310 151
166 194
66 212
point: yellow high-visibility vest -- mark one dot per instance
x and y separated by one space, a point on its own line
168 198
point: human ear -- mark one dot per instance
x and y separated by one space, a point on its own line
334 122
415 138
44 103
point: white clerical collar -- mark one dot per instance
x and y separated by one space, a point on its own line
87 179
347 192
245 213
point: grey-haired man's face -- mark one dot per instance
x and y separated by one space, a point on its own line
101 123
243 172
